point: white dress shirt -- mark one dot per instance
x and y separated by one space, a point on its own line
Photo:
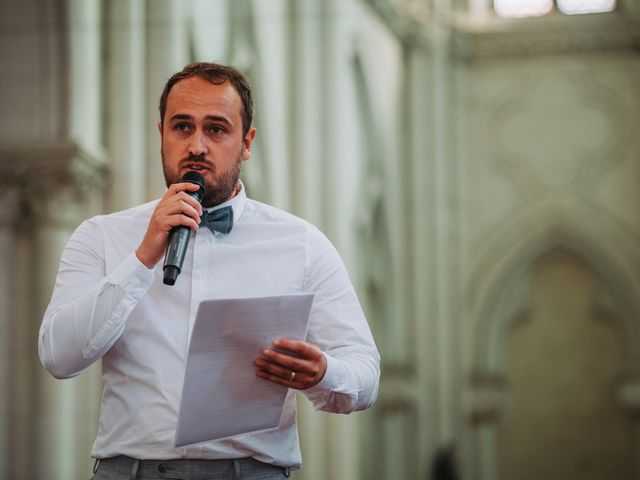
108 305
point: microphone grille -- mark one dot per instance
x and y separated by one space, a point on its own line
193 177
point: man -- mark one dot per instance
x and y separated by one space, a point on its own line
110 302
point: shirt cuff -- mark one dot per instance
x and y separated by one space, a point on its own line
331 380
334 392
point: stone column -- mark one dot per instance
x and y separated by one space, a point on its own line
307 106
126 119
8 315
338 170
51 423
306 170
69 408
422 231
167 52
52 92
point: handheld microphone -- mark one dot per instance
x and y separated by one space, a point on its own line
179 236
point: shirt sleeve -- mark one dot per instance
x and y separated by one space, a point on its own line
337 325
88 308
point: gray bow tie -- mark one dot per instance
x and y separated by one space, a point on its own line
220 220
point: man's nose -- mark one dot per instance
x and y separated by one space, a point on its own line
197 143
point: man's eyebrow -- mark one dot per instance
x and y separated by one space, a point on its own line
218 118
180 116
210 118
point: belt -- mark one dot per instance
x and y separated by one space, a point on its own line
187 468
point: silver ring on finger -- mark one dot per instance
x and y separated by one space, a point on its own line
292 377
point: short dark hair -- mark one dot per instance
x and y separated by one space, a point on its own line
216 74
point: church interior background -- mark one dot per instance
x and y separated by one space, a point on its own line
475 162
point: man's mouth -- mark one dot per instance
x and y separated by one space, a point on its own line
198 167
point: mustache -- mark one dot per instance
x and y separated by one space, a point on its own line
199 159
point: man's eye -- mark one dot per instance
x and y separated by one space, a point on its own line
181 127
216 129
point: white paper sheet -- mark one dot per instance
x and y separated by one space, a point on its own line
222 396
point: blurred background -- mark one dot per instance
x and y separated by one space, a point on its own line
475 162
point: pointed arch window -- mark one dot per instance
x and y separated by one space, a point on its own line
538 8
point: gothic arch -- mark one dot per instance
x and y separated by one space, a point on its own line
500 298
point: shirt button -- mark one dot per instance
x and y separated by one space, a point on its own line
162 468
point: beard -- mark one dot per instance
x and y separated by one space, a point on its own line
216 193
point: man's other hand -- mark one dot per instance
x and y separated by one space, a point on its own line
292 363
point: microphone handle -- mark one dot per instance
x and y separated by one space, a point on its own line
176 250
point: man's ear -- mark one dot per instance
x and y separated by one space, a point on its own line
160 129
247 141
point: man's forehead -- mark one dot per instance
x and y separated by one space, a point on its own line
199 93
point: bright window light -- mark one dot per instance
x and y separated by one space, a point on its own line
522 8
571 7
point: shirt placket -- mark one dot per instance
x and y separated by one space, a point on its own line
201 253
203 245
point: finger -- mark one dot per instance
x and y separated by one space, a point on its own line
182 191
180 203
298 348
284 363
182 220
277 370
286 378
283 359
185 186
185 197
279 380
311 359
174 215
176 188
186 206
285 373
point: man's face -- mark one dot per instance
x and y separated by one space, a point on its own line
202 132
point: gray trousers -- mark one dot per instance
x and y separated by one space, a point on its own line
127 468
